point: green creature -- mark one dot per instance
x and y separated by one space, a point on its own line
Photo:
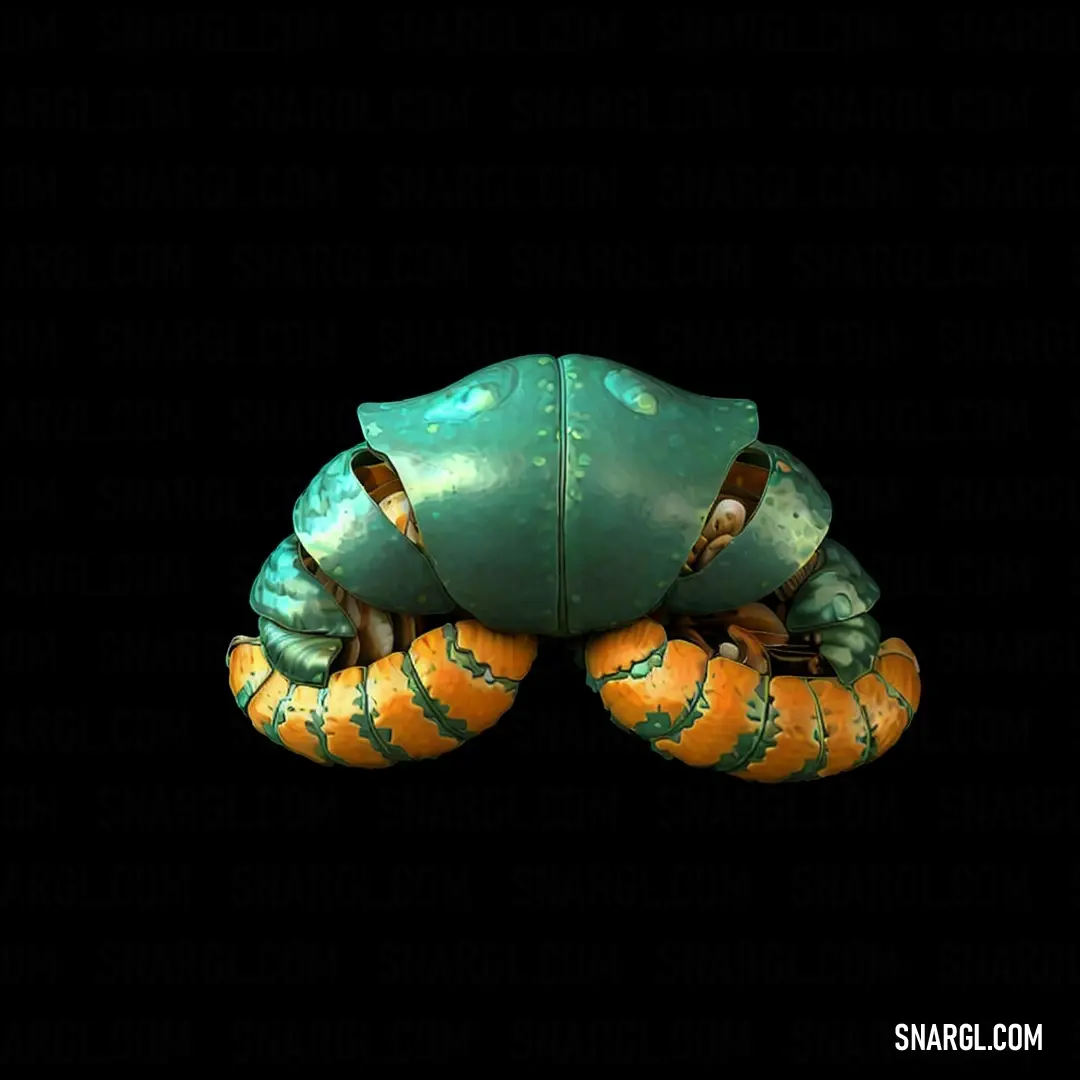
571 497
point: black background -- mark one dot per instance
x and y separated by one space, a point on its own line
221 234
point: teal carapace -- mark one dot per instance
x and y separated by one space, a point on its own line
789 524
840 590
357 546
289 596
576 498
559 495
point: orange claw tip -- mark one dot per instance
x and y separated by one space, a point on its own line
248 666
669 689
897 665
618 650
728 721
237 641
886 716
897 646
509 656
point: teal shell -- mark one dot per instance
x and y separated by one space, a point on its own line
562 496
556 497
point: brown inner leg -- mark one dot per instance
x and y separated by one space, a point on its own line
724 634
732 510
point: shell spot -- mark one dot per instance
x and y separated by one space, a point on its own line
627 388
463 404
473 398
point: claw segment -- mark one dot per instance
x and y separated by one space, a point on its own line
318 727
720 714
887 716
728 727
248 670
264 703
292 723
346 725
897 665
615 652
793 745
399 720
847 730
655 703
470 702
507 656
432 707
452 683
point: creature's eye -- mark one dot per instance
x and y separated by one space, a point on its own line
471 399
629 389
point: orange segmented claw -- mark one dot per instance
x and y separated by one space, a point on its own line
721 714
452 683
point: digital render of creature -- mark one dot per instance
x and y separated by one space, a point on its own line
571 498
